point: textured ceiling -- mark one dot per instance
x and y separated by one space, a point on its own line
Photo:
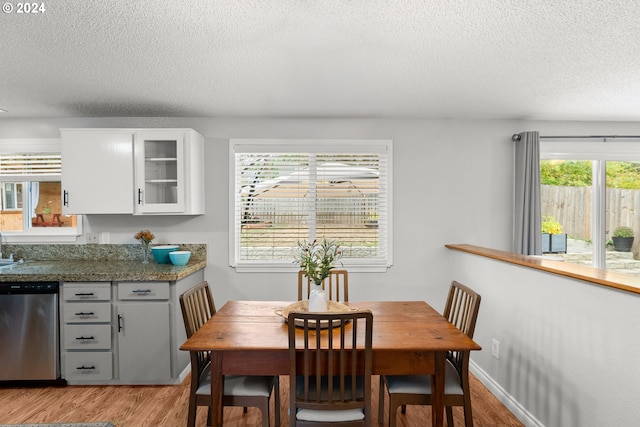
514 59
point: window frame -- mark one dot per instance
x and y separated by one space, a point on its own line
384 146
598 152
37 234
14 196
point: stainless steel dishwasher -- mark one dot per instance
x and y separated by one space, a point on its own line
29 333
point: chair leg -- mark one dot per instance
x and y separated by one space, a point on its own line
244 410
381 390
208 416
468 415
449 411
191 419
264 408
276 401
393 411
404 409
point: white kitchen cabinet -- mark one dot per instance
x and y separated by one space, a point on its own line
97 171
132 171
169 173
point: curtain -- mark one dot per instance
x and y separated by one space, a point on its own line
527 211
35 197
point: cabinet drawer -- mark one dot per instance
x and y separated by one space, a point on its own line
87 337
143 290
87 312
82 291
88 366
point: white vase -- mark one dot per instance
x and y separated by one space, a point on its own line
317 299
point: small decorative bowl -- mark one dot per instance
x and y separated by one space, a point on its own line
179 257
161 253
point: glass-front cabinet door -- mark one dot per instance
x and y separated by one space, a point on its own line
159 169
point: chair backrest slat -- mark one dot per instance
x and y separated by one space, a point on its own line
336 285
197 308
330 355
461 309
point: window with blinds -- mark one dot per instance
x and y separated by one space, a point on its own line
30 193
30 166
287 192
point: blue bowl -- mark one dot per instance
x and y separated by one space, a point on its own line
161 253
179 257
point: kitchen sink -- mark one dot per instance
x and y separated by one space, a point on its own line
4 262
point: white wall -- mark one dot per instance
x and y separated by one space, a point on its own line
452 184
568 349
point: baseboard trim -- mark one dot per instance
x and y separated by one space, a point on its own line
184 373
505 398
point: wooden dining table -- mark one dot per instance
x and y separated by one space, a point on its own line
251 338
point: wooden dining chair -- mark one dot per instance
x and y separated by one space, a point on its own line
461 309
331 386
336 285
239 390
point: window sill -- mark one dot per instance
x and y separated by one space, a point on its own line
594 275
262 268
38 238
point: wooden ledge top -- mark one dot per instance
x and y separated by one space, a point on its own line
586 273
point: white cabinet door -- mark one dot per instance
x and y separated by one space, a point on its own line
144 349
169 172
97 171
159 166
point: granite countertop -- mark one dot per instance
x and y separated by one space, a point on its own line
96 271
98 264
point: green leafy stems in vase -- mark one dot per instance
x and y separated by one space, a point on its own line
317 260
145 237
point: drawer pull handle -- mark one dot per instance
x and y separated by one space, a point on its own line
84 294
85 367
82 313
85 338
141 291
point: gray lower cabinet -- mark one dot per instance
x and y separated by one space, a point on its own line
85 332
144 342
124 332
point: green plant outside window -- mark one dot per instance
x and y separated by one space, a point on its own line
551 226
623 232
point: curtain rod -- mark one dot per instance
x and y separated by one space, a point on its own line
516 137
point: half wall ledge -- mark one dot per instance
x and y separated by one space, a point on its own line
589 274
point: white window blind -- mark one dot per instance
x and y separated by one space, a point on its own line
30 166
290 191
34 166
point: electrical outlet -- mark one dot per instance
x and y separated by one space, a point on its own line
495 348
92 238
104 237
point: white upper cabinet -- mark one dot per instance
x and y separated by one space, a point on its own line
168 172
97 171
133 171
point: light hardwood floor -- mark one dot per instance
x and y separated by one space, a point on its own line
166 406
